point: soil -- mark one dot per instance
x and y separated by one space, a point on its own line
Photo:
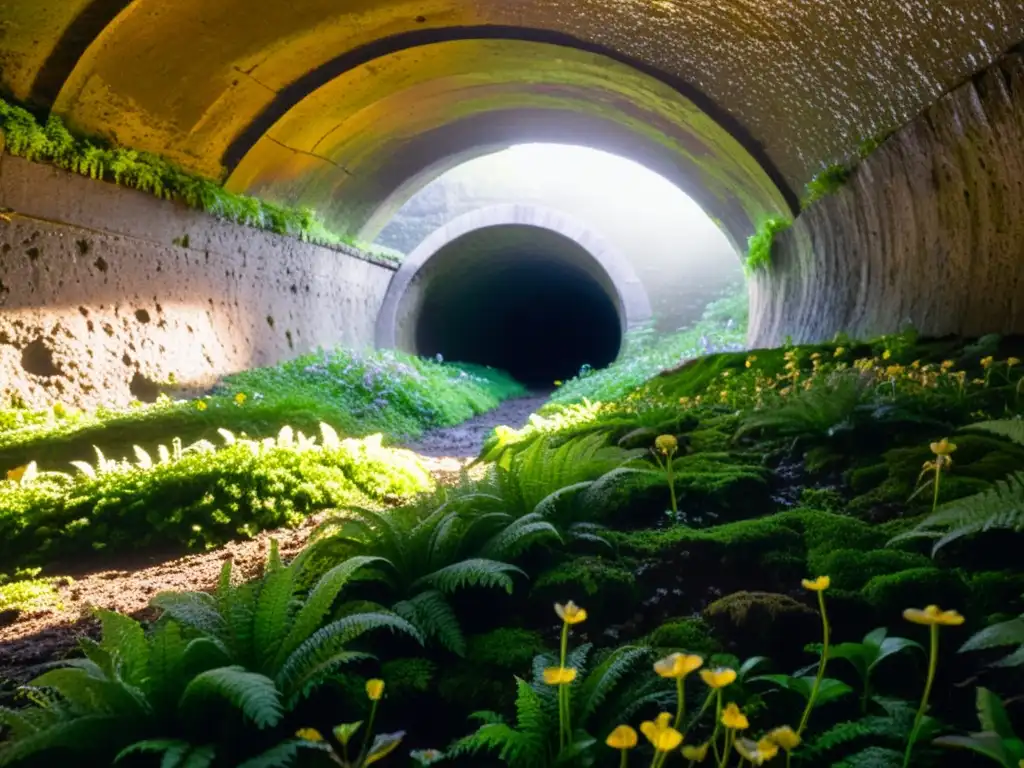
127 583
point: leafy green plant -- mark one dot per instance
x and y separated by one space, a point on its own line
53 143
865 656
996 740
827 182
135 694
759 247
268 626
1000 635
999 508
817 412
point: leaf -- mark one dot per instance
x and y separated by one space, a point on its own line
992 714
471 573
150 746
254 695
85 468
891 646
1004 633
383 745
987 744
829 689
281 756
145 461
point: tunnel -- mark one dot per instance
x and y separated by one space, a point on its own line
519 288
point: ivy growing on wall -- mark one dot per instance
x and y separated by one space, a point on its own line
24 136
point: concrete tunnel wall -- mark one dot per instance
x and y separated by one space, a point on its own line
520 287
105 293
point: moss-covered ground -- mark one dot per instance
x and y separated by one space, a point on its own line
694 513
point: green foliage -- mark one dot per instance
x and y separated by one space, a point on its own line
759 247
1000 635
691 635
25 593
816 412
827 182
53 143
134 694
358 393
996 739
197 496
269 626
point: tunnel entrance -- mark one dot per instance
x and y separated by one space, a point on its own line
536 317
522 288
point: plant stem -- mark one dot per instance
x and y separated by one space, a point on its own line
821 666
933 663
563 714
938 474
718 724
625 758
367 734
671 484
680 703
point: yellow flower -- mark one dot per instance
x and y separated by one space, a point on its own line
751 360
725 394
666 444
1012 361
840 351
622 737
558 383
943 447
696 754
15 475
986 362
785 737
947 364
677 665
933 615
375 689
309 734
559 675
200 405
733 718
894 370
570 613
663 737
719 677
816 356
886 355
240 398
757 752
820 584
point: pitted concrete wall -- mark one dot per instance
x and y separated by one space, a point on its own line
929 231
107 293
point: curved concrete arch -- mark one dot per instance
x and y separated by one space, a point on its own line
603 263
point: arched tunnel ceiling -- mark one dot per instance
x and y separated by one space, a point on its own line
794 84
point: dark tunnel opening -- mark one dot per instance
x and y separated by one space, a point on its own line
530 308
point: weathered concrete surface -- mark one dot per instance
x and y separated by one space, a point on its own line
929 231
105 293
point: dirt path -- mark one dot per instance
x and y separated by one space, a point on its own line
465 440
127 585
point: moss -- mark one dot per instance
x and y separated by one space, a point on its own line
506 648
406 676
606 587
854 568
31 595
827 499
827 182
891 593
755 622
759 247
996 592
692 635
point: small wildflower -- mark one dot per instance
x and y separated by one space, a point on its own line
820 584
733 718
933 615
309 734
622 737
943 447
427 756
678 665
663 737
375 689
751 360
558 382
1012 361
559 675
696 754
757 752
240 398
200 405
666 444
986 362
15 475
947 365
894 370
570 613
718 677
785 737
887 354
840 351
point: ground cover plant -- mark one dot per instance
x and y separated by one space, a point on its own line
21 134
733 564
357 393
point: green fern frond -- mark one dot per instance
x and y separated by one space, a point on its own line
167 649
78 735
281 756
815 411
471 573
519 536
999 508
197 610
156 746
607 676
509 743
125 640
319 602
872 757
271 620
253 694
1009 429
434 617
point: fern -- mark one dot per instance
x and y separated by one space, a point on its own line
1010 429
816 411
433 616
872 757
253 694
998 508
477 572
1000 635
